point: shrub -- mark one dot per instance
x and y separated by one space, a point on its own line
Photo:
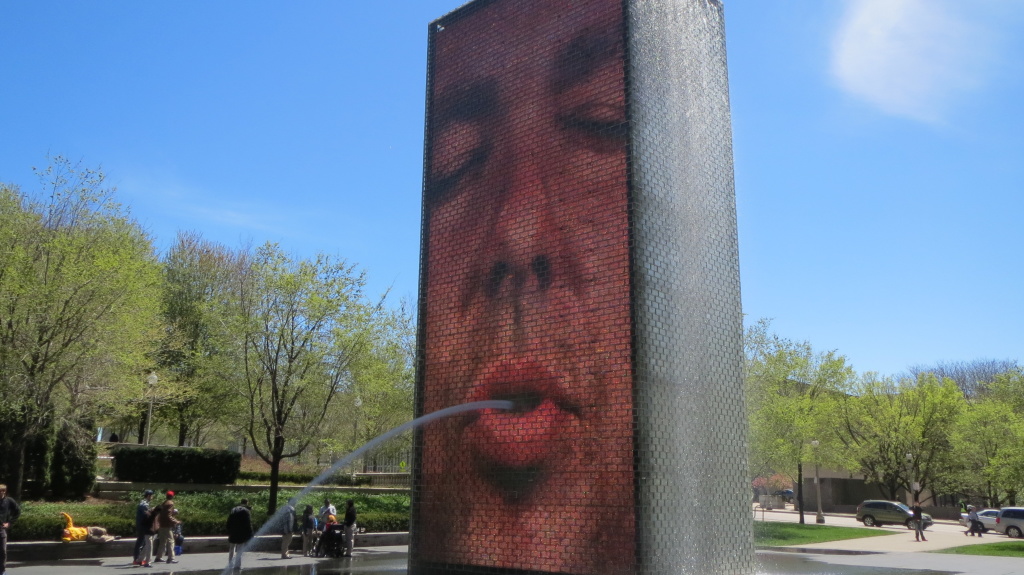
175 464
299 478
73 469
204 513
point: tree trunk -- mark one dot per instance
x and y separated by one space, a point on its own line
275 473
182 428
18 483
142 426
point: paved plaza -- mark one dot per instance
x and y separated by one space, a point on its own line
896 553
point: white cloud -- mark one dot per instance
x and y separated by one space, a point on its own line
911 58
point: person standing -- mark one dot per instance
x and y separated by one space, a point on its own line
918 521
143 552
239 532
286 526
326 511
350 527
308 530
9 513
165 532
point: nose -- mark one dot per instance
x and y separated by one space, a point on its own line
526 243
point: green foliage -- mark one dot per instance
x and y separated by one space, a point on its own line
792 393
296 478
73 471
196 274
204 513
77 303
884 421
175 465
300 325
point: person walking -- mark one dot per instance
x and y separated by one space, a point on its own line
10 511
239 533
308 526
286 525
350 527
166 521
918 521
976 526
143 552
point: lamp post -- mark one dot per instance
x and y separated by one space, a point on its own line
151 379
820 517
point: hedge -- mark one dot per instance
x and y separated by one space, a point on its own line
175 464
294 478
204 513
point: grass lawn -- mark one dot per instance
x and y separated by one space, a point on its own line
770 534
1000 549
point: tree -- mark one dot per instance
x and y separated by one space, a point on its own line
382 384
972 377
197 276
299 327
77 298
987 439
899 431
791 395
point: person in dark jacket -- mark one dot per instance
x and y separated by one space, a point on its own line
309 531
239 532
9 513
143 552
286 526
350 527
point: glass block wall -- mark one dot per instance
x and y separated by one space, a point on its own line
579 259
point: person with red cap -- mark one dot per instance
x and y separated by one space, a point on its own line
165 532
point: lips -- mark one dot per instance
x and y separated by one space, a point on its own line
531 433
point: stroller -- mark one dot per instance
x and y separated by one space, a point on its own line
331 542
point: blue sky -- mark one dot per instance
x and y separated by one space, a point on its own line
878 146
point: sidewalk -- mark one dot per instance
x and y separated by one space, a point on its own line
367 560
898 551
895 554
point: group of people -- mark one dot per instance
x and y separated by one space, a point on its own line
158 522
240 529
328 518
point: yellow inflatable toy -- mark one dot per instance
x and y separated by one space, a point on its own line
90 534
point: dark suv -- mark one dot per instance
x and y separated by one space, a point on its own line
1010 521
877 512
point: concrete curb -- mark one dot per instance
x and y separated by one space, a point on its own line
56 550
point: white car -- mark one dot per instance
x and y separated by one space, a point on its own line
987 517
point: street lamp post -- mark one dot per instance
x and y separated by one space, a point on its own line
151 379
820 517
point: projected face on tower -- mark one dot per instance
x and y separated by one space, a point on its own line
527 291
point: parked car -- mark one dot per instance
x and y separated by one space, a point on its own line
786 494
1010 521
876 512
987 518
